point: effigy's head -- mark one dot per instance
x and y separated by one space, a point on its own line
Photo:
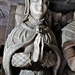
36 8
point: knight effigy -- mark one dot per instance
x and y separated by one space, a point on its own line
43 40
31 47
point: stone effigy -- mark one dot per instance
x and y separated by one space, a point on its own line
68 44
31 47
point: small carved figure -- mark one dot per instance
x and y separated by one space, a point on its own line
31 47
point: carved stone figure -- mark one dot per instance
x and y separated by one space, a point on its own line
68 44
31 47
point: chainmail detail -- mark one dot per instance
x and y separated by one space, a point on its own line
21 59
24 59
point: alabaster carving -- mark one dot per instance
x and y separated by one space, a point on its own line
31 44
68 44
68 32
19 14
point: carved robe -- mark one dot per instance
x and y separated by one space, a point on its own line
23 35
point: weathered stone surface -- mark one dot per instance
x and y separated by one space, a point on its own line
67 71
4 12
49 60
4 22
17 1
25 72
11 22
19 15
2 35
3 3
69 17
60 19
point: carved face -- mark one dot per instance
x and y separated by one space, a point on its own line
38 8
